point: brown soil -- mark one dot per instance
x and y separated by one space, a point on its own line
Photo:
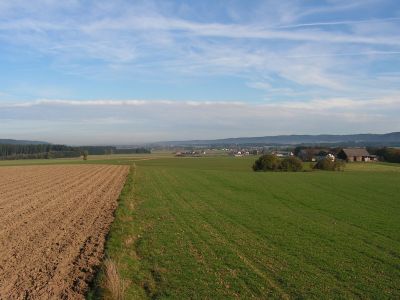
53 224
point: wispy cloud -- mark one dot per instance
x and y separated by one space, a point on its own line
391 100
234 31
178 46
117 103
333 23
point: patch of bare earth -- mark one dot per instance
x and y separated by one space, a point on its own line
53 224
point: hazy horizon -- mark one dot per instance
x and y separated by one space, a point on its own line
155 142
123 72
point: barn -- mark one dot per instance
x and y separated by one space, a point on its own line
356 154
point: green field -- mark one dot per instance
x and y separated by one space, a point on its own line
92 159
212 228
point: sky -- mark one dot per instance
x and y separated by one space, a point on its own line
130 72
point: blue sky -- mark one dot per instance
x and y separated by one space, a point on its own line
100 72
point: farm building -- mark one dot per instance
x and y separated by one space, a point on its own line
283 153
356 154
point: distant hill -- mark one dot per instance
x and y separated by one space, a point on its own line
357 139
21 142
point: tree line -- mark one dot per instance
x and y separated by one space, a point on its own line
47 151
386 154
99 150
8 151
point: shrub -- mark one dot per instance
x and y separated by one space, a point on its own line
267 162
85 155
291 164
329 165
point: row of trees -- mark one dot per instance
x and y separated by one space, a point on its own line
132 151
386 154
11 151
37 151
99 150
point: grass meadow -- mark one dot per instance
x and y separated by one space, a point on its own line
210 228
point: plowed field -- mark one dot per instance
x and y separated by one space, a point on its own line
53 223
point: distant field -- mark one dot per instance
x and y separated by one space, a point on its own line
212 228
92 159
